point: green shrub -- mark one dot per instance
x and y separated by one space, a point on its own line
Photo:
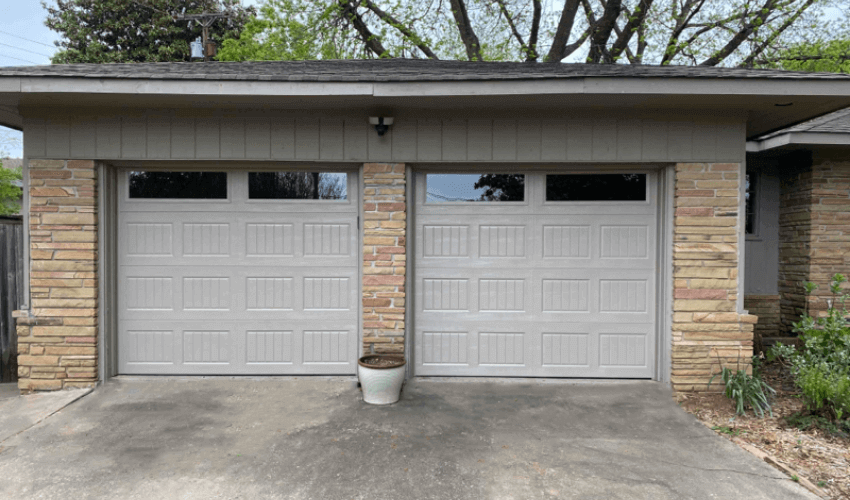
748 391
821 368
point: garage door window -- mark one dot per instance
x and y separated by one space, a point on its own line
596 187
297 186
178 185
454 188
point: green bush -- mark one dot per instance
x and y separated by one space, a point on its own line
821 368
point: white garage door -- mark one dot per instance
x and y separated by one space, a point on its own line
237 272
535 275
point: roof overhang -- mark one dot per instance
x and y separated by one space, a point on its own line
802 139
769 104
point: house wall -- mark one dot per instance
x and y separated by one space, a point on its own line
814 230
709 331
60 326
415 136
761 281
57 336
830 225
795 228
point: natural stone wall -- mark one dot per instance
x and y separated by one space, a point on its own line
814 229
57 337
795 225
829 243
766 307
708 332
384 257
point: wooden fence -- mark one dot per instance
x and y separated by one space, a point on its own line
11 292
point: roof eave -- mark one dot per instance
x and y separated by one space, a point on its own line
581 85
798 139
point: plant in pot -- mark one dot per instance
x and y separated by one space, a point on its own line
381 377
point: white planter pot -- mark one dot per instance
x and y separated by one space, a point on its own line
380 385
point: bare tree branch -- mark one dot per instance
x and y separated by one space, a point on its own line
467 34
535 31
759 49
370 40
690 9
558 51
389 19
741 36
636 19
504 10
602 31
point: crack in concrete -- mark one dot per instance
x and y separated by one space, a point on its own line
42 419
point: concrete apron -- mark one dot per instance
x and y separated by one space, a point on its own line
313 438
19 413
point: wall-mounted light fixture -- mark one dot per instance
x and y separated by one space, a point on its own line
381 123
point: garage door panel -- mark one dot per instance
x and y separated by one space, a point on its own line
567 289
237 292
238 286
220 347
260 240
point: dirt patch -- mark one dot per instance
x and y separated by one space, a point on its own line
817 455
381 361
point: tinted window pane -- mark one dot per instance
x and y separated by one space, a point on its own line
445 188
179 185
596 187
751 187
297 186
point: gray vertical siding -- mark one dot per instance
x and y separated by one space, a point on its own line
170 135
761 261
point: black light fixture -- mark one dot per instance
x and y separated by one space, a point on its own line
381 123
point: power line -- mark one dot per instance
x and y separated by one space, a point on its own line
25 50
27 39
19 59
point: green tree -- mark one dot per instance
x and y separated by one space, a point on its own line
117 31
692 32
9 192
274 36
832 56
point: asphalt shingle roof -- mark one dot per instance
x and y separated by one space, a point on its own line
836 123
394 70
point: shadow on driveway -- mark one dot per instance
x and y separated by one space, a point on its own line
313 438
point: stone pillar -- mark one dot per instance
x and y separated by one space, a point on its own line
58 335
828 242
708 332
384 257
795 226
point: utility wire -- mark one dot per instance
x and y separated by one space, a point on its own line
25 50
19 59
27 39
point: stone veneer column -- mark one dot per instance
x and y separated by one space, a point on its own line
384 257
795 227
827 245
57 337
708 332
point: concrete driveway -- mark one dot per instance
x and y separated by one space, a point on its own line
314 439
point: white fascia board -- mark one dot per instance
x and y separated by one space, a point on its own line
10 84
718 86
590 85
191 87
482 87
799 138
